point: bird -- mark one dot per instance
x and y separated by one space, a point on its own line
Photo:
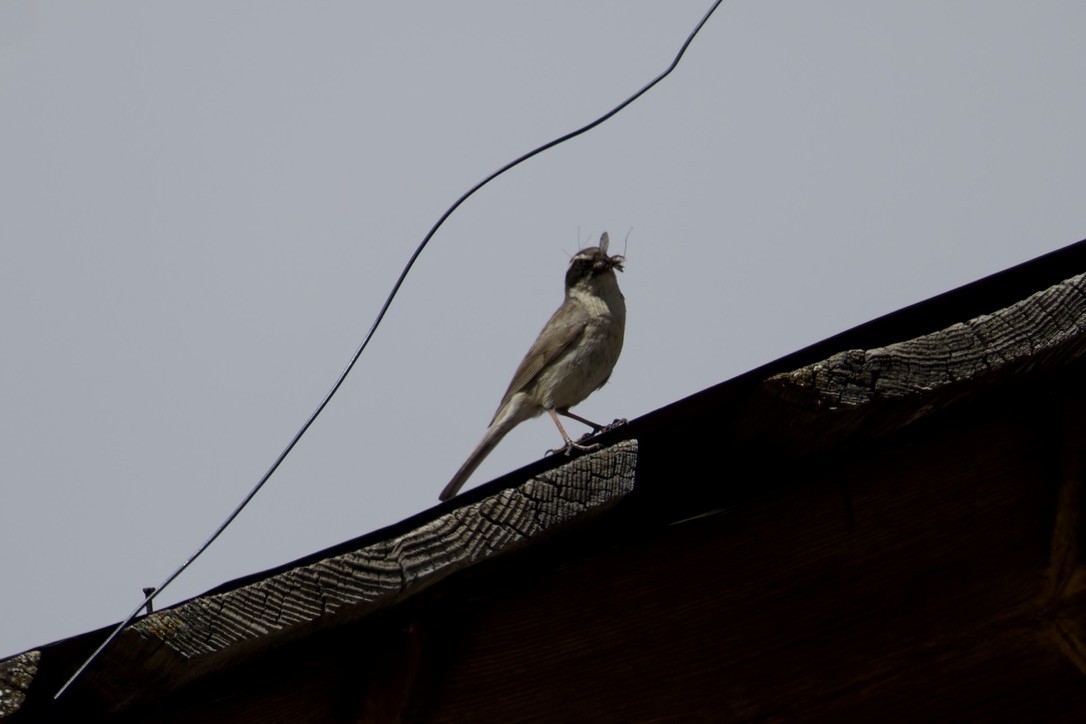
572 357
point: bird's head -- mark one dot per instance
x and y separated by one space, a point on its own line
593 262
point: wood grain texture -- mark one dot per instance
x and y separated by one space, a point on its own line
179 642
1041 331
16 674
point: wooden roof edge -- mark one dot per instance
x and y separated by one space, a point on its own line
1042 330
1047 328
848 377
861 383
171 647
982 296
1006 288
867 393
735 396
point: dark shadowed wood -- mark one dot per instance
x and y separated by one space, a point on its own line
937 601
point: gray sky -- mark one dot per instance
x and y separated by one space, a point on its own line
203 204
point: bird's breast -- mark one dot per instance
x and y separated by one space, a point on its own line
587 363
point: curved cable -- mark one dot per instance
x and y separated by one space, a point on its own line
369 335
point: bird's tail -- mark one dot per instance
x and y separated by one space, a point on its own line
503 423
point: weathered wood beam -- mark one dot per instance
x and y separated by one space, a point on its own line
918 376
169 647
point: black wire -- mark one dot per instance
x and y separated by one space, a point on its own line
369 335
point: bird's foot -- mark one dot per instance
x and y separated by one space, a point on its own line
570 446
600 430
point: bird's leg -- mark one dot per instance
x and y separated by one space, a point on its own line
570 446
595 428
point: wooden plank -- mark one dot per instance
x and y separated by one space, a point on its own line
1039 332
171 646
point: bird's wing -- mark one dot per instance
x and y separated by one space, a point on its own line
552 341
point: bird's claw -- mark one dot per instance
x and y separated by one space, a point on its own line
570 446
600 430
